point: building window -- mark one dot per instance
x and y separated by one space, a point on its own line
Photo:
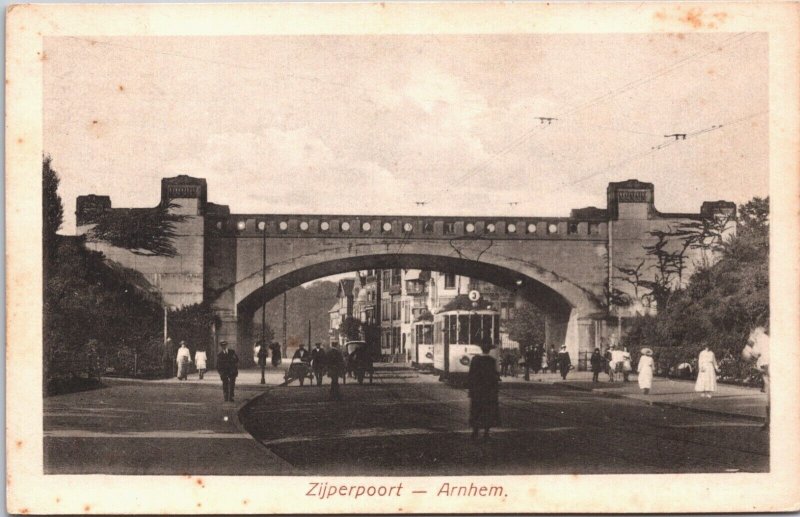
427 228
387 276
395 277
511 228
449 228
572 228
531 228
345 226
594 229
449 281
490 228
553 228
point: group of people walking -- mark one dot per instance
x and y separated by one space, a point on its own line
182 360
537 359
614 362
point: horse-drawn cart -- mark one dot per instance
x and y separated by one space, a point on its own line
299 370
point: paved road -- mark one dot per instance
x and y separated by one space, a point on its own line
152 428
415 426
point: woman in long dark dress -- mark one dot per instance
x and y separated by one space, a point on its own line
484 411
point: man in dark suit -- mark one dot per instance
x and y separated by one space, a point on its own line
228 368
335 363
318 362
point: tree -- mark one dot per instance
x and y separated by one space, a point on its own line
350 328
192 323
526 326
722 301
754 216
52 210
146 231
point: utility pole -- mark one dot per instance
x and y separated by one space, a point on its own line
309 334
263 282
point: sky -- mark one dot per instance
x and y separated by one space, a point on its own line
409 124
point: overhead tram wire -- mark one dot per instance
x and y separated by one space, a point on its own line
718 47
659 147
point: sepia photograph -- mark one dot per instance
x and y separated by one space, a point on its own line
409 268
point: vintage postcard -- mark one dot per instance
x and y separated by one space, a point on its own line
402 258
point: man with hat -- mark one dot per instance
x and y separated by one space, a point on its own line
228 368
318 362
335 363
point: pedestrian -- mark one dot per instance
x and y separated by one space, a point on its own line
707 372
530 363
318 362
537 358
168 359
505 361
645 370
552 359
598 363
183 358
627 365
335 364
757 349
564 362
261 357
483 384
228 368
361 363
607 360
200 360
275 348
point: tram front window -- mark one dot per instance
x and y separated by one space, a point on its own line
487 328
463 329
476 330
452 326
426 334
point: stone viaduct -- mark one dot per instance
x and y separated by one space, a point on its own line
237 262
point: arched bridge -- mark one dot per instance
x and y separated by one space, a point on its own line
566 265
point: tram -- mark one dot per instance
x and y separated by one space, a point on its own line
422 351
457 336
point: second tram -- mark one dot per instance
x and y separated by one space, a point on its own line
422 351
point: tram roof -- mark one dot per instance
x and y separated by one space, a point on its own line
462 303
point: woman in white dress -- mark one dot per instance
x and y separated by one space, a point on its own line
645 370
707 369
200 361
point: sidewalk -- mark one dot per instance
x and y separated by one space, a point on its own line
729 400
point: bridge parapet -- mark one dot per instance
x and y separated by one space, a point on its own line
407 227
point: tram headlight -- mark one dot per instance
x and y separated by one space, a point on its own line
464 360
429 355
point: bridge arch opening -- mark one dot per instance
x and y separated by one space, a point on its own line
527 287
561 312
